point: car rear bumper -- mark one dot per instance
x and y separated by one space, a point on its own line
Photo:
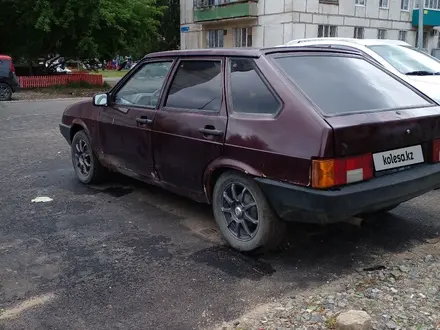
304 204
15 84
65 132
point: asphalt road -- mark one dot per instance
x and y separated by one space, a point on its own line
129 256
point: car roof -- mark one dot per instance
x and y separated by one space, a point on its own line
252 52
364 42
5 57
336 43
242 51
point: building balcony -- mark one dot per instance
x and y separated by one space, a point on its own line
215 10
431 17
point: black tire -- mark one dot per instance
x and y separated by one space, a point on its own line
5 92
267 235
96 172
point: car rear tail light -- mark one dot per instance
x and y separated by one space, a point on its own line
436 151
328 173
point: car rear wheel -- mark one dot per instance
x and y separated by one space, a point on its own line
5 92
86 165
246 220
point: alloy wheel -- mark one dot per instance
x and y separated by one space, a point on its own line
83 158
240 211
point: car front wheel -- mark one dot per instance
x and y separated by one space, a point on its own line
86 165
243 214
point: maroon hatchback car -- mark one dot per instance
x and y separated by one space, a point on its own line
264 135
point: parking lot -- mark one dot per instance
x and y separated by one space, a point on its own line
127 256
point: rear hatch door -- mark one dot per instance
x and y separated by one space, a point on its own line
369 109
396 139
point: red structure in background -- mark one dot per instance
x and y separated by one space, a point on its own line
47 81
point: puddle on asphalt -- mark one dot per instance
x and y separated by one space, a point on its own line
233 263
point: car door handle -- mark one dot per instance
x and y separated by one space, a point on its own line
143 121
211 131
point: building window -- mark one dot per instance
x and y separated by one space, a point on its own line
211 3
429 4
205 3
243 37
383 3
327 31
402 35
358 33
381 34
404 4
433 4
215 38
359 2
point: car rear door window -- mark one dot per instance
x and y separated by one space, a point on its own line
344 84
197 85
249 92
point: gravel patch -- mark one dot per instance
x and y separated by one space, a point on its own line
401 292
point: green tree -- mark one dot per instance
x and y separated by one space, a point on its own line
168 32
78 29
169 29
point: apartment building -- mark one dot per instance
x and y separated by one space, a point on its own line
265 23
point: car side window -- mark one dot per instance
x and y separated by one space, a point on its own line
197 85
4 68
144 86
249 93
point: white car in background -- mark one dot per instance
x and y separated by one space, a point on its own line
61 69
416 67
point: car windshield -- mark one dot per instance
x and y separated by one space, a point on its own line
341 84
408 60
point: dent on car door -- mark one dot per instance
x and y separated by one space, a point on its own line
189 129
125 124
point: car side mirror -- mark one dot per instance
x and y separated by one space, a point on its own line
100 100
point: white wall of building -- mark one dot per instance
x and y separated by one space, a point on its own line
191 39
280 21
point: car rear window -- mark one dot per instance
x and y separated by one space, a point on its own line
5 66
342 84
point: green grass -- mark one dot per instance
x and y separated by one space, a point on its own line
330 323
80 85
111 73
